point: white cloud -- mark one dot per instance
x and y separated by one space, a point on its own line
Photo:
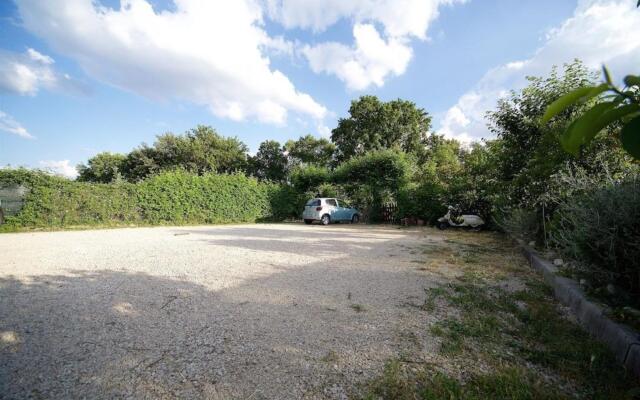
398 17
25 73
599 32
374 55
211 53
62 168
369 62
8 124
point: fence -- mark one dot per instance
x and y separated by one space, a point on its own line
12 199
390 213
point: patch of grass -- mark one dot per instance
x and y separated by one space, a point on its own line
513 383
539 333
523 338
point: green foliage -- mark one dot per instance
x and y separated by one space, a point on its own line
183 198
172 197
311 151
374 179
55 202
102 168
199 150
597 224
630 137
528 153
621 105
269 163
376 125
381 170
309 178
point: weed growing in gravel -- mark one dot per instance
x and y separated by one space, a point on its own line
358 307
502 344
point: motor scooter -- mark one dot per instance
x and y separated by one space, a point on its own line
454 219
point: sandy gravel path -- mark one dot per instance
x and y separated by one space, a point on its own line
282 311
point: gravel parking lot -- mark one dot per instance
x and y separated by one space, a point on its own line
243 311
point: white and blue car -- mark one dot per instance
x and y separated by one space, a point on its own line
327 210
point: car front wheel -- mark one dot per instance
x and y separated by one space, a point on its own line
355 219
325 220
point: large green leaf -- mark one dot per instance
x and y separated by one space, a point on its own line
580 94
617 113
631 80
630 137
584 128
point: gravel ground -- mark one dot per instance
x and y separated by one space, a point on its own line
283 311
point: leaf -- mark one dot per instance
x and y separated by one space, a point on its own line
607 75
617 113
570 98
590 128
631 80
630 137
581 131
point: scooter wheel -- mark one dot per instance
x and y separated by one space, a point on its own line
442 225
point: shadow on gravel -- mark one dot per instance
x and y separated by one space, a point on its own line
310 240
118 334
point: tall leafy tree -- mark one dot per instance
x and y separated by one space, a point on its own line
270 162
199 150
310 150
376 125
529 154
104 167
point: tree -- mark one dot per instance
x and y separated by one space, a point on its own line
529 154
141 163
104 167
376 125
311 151
199 150
309 177
374 178
269 163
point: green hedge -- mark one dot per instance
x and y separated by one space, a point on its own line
175 197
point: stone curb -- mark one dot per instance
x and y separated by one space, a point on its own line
622 340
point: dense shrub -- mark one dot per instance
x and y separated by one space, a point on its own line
57 202
309 178
600 228
374 179
181 197
174 197
423 200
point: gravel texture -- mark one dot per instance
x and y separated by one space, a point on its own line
281 311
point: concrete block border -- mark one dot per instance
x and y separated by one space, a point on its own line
622 340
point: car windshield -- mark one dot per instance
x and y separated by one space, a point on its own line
313 203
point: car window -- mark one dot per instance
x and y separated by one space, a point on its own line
313 203
344 204
331 202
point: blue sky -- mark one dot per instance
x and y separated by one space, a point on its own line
79 77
